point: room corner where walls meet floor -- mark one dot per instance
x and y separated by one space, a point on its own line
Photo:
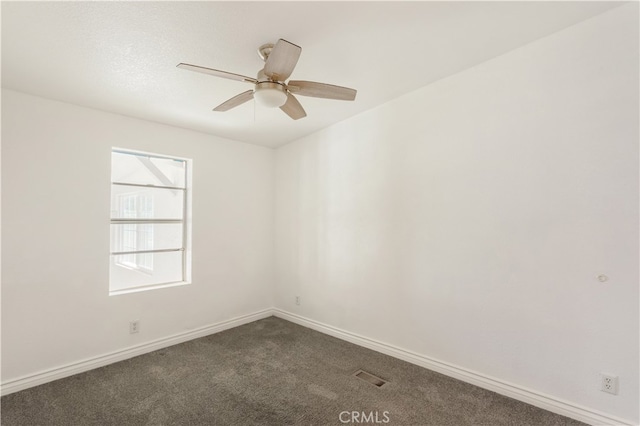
545 402
266 372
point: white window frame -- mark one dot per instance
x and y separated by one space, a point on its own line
185 222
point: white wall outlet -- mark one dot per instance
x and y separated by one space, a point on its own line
297 300
609 383
134 326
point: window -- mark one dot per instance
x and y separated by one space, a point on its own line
149 227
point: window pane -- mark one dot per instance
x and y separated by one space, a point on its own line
145 170
166 268
133 202
145 236
141 193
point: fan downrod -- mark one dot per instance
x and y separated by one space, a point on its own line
265 50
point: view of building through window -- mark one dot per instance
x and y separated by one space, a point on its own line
135 236
148 226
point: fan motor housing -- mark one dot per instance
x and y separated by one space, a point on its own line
271 85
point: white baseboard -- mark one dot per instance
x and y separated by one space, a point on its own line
519 393
50 375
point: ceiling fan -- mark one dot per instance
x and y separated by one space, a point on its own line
270 87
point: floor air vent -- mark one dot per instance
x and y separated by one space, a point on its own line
369 378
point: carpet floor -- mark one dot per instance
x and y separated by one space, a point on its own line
269 372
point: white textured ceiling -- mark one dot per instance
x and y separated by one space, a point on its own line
121 56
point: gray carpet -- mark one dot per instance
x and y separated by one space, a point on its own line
269 372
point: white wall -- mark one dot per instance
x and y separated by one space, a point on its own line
468 221
56 307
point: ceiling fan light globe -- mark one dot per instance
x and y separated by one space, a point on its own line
270 95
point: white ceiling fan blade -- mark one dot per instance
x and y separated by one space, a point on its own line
293 108
321 90
217 73
282 60
235 101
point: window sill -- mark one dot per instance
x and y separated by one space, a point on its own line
148 287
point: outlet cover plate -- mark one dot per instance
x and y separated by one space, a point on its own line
609 383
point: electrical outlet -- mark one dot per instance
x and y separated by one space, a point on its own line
134 326
297 300
609 384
